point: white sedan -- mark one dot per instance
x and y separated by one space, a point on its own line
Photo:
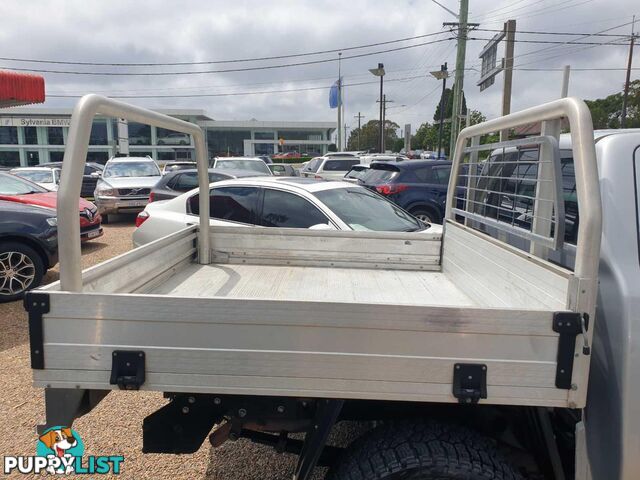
285 202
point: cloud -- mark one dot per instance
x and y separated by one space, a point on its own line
201 30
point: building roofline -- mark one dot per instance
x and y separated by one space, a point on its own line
204 119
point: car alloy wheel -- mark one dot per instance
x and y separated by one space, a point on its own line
17 272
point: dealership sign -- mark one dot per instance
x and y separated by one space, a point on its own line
34 122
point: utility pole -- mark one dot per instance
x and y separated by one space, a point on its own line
510 36
359 117
383 109
623 115
345 136
462 25
339 132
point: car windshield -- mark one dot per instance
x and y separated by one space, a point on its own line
354 206
252 165
356 172
12 185
131 169
38 176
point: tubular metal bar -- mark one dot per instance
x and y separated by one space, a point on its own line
521 142
587 183
73 167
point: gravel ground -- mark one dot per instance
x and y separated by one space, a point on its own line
114 427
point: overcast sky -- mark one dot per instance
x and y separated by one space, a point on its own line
162 31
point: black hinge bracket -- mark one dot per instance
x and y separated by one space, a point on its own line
37 304
569 325
469 382
127 369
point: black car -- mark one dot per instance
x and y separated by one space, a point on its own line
418 186
176 183
92 172
28 247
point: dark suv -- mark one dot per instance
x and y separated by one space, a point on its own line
28 247
418 186
92 172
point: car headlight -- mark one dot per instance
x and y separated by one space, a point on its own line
105 192
52 221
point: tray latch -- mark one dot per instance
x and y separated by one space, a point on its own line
469 382
127 369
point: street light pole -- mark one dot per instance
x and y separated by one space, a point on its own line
442 74
379 72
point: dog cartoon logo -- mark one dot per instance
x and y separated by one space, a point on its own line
61 442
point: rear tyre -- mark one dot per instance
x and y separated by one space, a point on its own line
426 215
105 218
21 269
422 450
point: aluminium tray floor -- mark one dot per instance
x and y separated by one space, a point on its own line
314 284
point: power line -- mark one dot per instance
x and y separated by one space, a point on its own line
234 94
571 42
215 62
542 11
533 32
229 70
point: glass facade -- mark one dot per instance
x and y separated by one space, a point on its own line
8 135
299 135
139 134
45 141
264 135
33 158
30 135
55 135
168 137
227 143
99 133
9 158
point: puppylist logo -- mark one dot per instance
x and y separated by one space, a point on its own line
60 450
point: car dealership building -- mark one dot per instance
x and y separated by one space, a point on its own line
30 136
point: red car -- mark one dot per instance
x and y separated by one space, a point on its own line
282 156
16 189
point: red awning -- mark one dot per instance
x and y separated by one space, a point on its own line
20 89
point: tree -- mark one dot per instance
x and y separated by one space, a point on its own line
448 103
606 112
369 136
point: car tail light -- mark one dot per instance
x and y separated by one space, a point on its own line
391 189
152 197
141 218
317 177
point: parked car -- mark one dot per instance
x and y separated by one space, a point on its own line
125 185
419 186
176 183
20 190
332 168
174 138
356 172
382 157
177 165
344 154
265 158
28 247
92 172
279 202
286 155
252 164
283 170
46 177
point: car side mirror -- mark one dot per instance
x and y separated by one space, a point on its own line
322 226
94 175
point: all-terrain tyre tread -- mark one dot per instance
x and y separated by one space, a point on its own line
424 449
